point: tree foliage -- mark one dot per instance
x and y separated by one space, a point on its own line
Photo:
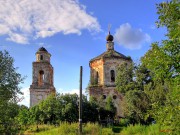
163 62
124 79
156 79
9 89
9 78
131 81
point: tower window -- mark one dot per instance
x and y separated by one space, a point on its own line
41 57
104 96
112 76
97 78
41 78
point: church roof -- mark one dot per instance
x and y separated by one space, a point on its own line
111 54
42 49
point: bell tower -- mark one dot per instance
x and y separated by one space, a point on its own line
42 79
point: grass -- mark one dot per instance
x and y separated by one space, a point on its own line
142 130
69 129
94 129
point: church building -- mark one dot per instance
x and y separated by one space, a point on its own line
103 71
42 77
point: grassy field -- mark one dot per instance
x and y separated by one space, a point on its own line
94 129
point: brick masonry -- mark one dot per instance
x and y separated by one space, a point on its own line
42 78
102 84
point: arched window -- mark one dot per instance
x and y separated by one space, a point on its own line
112 76
41 57
41 78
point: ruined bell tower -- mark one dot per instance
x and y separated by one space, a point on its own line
42 79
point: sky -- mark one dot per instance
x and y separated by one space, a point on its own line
73 32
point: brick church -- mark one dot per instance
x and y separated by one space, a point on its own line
103 71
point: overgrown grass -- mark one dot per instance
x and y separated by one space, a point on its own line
95 129
69 129
144 130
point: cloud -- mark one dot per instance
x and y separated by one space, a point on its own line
25 98
72 91
24 20
18 38
129 37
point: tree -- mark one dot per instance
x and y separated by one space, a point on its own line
163 62
9 78
23 116
50 110
9 89
131 81
136 106
110 107
69 103
90 108
124 79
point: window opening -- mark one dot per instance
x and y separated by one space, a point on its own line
114 97
112 76
97 78
41 78
41 57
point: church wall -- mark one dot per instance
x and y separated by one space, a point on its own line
97 66
48 73
117 98
111 64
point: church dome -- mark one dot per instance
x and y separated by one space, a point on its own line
42 49
109 37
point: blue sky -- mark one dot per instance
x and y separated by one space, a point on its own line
74 32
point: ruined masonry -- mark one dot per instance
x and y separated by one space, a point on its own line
42 79
103 71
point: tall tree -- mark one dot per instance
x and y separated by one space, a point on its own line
9 89
163 62
9 78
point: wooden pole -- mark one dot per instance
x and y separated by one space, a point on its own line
80 102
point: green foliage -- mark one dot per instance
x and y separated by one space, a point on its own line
124 78
163 62
152 88
23 116
143 130
49 110
131 81
9 89
8 112
137 104
9 78
110 105
90 109
61 108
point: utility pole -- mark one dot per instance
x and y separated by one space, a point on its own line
80 102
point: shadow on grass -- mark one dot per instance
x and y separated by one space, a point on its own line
117 129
